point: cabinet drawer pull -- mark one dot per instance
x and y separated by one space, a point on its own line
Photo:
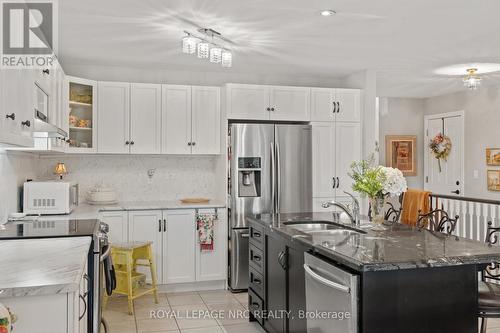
11 116
338 182
132 142
334 182
194 143
257 281
272 109
46 71
164 225
159 225
255 306
256 234
127 142
26 123
256 258
268 109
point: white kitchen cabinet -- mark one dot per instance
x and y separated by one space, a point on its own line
82 116
323 154
335 105
147 225
261 102
247 101
57 313
179 247
349 105
335 146
290 103
191 120
322 104
118 225
212 265
145 118
176 119
347 150
17 107
114 117
206 120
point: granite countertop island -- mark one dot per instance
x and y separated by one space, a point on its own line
32 267
398 247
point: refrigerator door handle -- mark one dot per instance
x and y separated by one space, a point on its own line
273 189
278 172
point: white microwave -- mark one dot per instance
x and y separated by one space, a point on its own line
49 197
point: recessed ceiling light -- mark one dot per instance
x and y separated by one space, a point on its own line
327 12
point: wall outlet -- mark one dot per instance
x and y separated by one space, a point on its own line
476 174
151 173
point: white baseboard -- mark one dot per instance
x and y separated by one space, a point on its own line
192 286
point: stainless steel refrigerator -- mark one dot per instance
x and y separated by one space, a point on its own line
269 172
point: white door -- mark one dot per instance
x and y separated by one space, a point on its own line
145 118
118 225
347 150
176 119
322 100
290 103
323 155
179 247
148 225
206 133
348 105
211 265
247 101
449 178
113 125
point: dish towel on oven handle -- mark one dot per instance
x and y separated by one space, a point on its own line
205 224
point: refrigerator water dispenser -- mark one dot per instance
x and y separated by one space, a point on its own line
249 174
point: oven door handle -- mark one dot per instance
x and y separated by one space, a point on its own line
326 282
105 255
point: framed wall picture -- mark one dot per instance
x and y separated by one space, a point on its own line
493 180
401 153
493 156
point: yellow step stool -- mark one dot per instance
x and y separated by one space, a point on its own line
126 258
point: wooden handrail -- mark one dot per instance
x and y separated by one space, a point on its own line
458 198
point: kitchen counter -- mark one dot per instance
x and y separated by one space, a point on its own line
398 247
32 267
86 211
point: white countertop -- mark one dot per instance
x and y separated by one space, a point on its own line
86 211
32 267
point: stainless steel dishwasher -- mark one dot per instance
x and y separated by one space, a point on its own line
331 297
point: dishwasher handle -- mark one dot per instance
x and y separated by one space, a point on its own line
326 282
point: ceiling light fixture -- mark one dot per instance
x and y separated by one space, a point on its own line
327 12
472 80
205 47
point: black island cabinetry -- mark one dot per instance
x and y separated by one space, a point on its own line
399 288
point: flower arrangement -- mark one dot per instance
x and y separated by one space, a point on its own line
440 146
377 183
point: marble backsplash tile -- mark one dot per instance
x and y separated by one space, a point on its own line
15 168
174 177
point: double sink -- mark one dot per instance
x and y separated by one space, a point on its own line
325 233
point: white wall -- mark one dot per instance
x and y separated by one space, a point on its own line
482 121
175 176
130 74
403 116
15 168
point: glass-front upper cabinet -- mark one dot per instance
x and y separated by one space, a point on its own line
82 115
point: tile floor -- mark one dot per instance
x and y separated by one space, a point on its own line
186 313
182 312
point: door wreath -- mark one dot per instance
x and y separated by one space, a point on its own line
440 146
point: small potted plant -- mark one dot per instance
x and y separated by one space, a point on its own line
377 183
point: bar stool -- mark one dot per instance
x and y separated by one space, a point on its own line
437 220
488 289
126 258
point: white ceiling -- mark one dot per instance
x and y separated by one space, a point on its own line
403 40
